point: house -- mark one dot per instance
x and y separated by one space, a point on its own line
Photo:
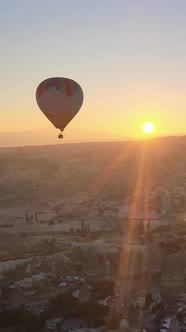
106 301
166 323
170 324
53 323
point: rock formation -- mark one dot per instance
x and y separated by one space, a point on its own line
124 326
174 325
183 263
172 276
132 263
154 261
95 264
84 293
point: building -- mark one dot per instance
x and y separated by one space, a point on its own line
124 326
54 323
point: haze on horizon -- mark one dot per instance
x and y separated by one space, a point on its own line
128 56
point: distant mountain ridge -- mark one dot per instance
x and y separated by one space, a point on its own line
49 135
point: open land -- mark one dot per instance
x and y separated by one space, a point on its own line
81 213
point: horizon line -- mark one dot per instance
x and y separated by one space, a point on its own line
99 141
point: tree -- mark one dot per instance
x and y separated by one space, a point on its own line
19 318
148 300
50 222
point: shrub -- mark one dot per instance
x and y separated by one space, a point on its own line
50 222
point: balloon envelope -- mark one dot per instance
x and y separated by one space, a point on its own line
60 99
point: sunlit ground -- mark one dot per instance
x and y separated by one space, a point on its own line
128 258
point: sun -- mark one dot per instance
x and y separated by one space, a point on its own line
148 127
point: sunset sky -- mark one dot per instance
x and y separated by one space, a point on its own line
129 56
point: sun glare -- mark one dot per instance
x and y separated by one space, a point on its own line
148 127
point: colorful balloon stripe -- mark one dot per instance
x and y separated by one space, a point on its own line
65 85
68 88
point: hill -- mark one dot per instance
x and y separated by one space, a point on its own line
110 169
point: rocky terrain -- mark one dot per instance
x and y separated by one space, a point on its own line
34 173
113 211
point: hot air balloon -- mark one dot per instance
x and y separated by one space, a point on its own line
60 99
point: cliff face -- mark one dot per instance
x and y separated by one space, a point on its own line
84 293
132 263
154 261
136 265
107 261
172 198
96 264
93 264
183 263
172 275
140 263
174 325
